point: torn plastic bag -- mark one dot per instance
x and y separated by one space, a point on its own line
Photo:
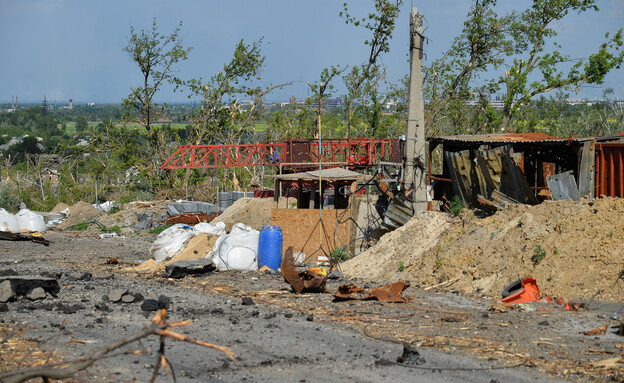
28 220
171 241
8 222
237 250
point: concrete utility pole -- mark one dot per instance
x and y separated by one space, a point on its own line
415 174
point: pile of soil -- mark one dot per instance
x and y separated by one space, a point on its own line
253 212
79 213
573 249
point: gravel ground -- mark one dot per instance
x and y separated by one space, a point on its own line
282 336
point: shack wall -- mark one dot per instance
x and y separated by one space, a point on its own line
300 229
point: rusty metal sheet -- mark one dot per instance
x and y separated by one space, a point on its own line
610 169
563 186
190 218
301 282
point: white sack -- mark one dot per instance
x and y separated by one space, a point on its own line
8 222
237 250
208 228
28 220
171 242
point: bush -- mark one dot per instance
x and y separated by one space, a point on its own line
456 206
9 201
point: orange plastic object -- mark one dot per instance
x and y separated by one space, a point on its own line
319 270
528 293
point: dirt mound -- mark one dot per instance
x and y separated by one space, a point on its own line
574 249
254 212
80 213
60 207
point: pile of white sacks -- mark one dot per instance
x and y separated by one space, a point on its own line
24 221
236 250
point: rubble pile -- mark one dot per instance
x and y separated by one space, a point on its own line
573 249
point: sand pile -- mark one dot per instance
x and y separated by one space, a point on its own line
254 212
580 245
79 213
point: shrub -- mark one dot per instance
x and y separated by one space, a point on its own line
456 206
9 201
538 254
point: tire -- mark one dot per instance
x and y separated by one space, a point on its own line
512 288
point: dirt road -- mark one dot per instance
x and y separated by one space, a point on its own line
279 336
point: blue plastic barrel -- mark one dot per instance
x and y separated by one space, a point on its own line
270 247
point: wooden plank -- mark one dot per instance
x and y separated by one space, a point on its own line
300 229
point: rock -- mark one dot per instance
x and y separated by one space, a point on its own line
127 298
335 274
85 277
181 269
410 356
3 307
164 302
248 301
22 285
115 295
149 305
310 318
36 294
6 292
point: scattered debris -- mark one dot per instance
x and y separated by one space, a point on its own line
12 287
410 356
597 331
34 237
529 292
387 293
181 269
301 282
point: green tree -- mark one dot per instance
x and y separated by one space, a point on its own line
81 123
381 24
525 44
530 33
322 90
156 55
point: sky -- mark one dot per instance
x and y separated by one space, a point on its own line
64 49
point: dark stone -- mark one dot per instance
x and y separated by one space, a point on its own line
86 277
138 297
410 356
7 273
248 301
544 323
102 307
164 302
335 274
218 311
69 309
149 305
3 307
22 285
310 318
181 269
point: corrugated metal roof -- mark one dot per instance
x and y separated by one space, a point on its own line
503 138
333 174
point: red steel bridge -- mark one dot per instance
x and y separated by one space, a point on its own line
356 152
